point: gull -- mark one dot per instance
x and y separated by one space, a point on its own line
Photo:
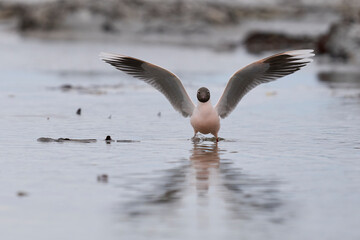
204 117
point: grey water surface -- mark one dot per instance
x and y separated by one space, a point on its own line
288 167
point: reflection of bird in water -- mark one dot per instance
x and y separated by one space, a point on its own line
204 117
216 179
204 159
244 194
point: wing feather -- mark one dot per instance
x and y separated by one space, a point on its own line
262 71
161 79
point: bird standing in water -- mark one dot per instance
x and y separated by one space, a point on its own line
204 117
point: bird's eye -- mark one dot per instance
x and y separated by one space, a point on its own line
199 92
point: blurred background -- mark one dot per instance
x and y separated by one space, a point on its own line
288 167
258 27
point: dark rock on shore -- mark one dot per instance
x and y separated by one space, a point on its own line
258 42
44 16
345 80
342 42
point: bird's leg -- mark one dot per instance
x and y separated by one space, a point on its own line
216 137
195 132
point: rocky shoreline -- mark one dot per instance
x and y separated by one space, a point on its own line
51 15
219 25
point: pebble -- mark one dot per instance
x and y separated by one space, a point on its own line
104 178
22 194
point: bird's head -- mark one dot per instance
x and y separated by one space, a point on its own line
203 94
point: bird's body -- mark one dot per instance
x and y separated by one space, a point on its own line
205 118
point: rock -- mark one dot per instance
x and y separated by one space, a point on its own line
22 194
217 15
342 42
342 80
108 139
45 16
108 27
78 112
210 21
53 15
103 178
66 87
258 42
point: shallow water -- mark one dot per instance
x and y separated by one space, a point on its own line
288 167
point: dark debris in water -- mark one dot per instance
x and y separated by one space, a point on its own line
103 178
92 89
66 87
22 194
46 139
127 141
108 140
78 112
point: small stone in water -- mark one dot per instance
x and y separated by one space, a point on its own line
104 178
78 112
66 87
108 140
22 194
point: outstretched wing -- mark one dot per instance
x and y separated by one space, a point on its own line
163 80
262 71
